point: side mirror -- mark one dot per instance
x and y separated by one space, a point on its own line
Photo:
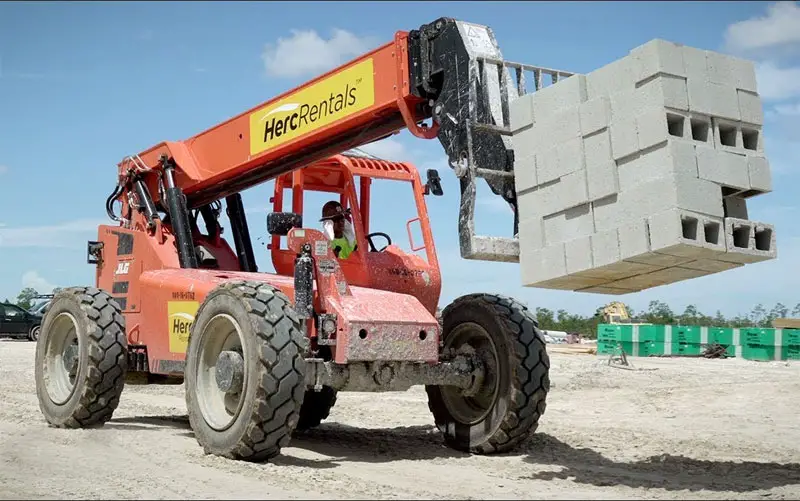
434 184
280 223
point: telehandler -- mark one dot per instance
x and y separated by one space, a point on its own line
264 354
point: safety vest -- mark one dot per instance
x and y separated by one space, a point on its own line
344 246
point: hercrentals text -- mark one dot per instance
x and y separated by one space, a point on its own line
308 114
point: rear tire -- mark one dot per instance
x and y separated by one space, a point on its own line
512 397
254 421
316 408
81 358
33 335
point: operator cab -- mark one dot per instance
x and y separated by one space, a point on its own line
378 259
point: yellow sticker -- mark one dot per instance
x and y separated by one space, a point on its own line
180 315
321 104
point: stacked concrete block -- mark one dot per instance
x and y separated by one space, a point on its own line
637 174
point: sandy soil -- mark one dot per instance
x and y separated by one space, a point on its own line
718 429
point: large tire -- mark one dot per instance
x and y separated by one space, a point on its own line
272 371
512 398
316 408
33 335
81 358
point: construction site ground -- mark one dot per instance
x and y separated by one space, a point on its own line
683 428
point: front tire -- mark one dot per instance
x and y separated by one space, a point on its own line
245 371
33 335
512 397
81 358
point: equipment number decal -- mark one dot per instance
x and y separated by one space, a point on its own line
122 268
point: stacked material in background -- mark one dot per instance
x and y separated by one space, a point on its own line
637 174
644 340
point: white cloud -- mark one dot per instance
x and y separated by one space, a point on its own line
779 27
36 281
305 52
776 83
388 149
70 234
3 169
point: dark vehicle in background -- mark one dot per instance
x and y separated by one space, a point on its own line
20 323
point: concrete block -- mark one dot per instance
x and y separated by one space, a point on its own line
723 167
520 112
699 195
668 91
602 180
713 99
531 233
748 241
547 166
685 234
694 62
759 173
595 115
525 174
569 191
728 70
542 264
559 127
597 149
752 139
605 248
751 110
634 241
656 278
567 93
624 138
728 134
578 255
569 158
620 270
672 159
611 78
710 265
735 207
657 57
566 225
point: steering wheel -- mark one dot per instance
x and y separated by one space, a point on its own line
372 245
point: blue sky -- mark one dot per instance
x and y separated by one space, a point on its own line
84 84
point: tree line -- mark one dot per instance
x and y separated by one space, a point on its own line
658 312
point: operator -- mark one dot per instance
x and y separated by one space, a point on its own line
339 229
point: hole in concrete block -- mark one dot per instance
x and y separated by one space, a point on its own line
689 227
763 239
741 236
675 125
750 139
700 129
711 232
727 135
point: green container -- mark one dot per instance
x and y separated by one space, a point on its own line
651 333
755 336
688 350
758 352
730 351
650 348
790 352
721 335
607 333
612 347
791 337
631 349
686 334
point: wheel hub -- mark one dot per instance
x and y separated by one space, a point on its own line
70 358
229 372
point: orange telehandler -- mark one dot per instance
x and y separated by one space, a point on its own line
264 354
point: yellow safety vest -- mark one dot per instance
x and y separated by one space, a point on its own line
344 246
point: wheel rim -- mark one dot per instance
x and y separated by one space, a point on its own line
472 338
62 360
35 333
218 407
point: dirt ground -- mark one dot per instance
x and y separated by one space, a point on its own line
717 429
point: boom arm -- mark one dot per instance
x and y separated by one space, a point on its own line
437 72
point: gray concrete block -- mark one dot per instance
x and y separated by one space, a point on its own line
602 180
723 167
759 173
728 70
570 156
672 159
699 195
543 264
667 91
605 248
748 241
520 112
657 57
620 270
578 253
735 207
634 241
751 110
624 137
597 149
657 278
566 225
531 233
682 233
567 93
611 78
525 174
595 115
547 166
694 62
713 99
559 127
569 191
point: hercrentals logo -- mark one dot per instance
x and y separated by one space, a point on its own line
180 315
321 104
